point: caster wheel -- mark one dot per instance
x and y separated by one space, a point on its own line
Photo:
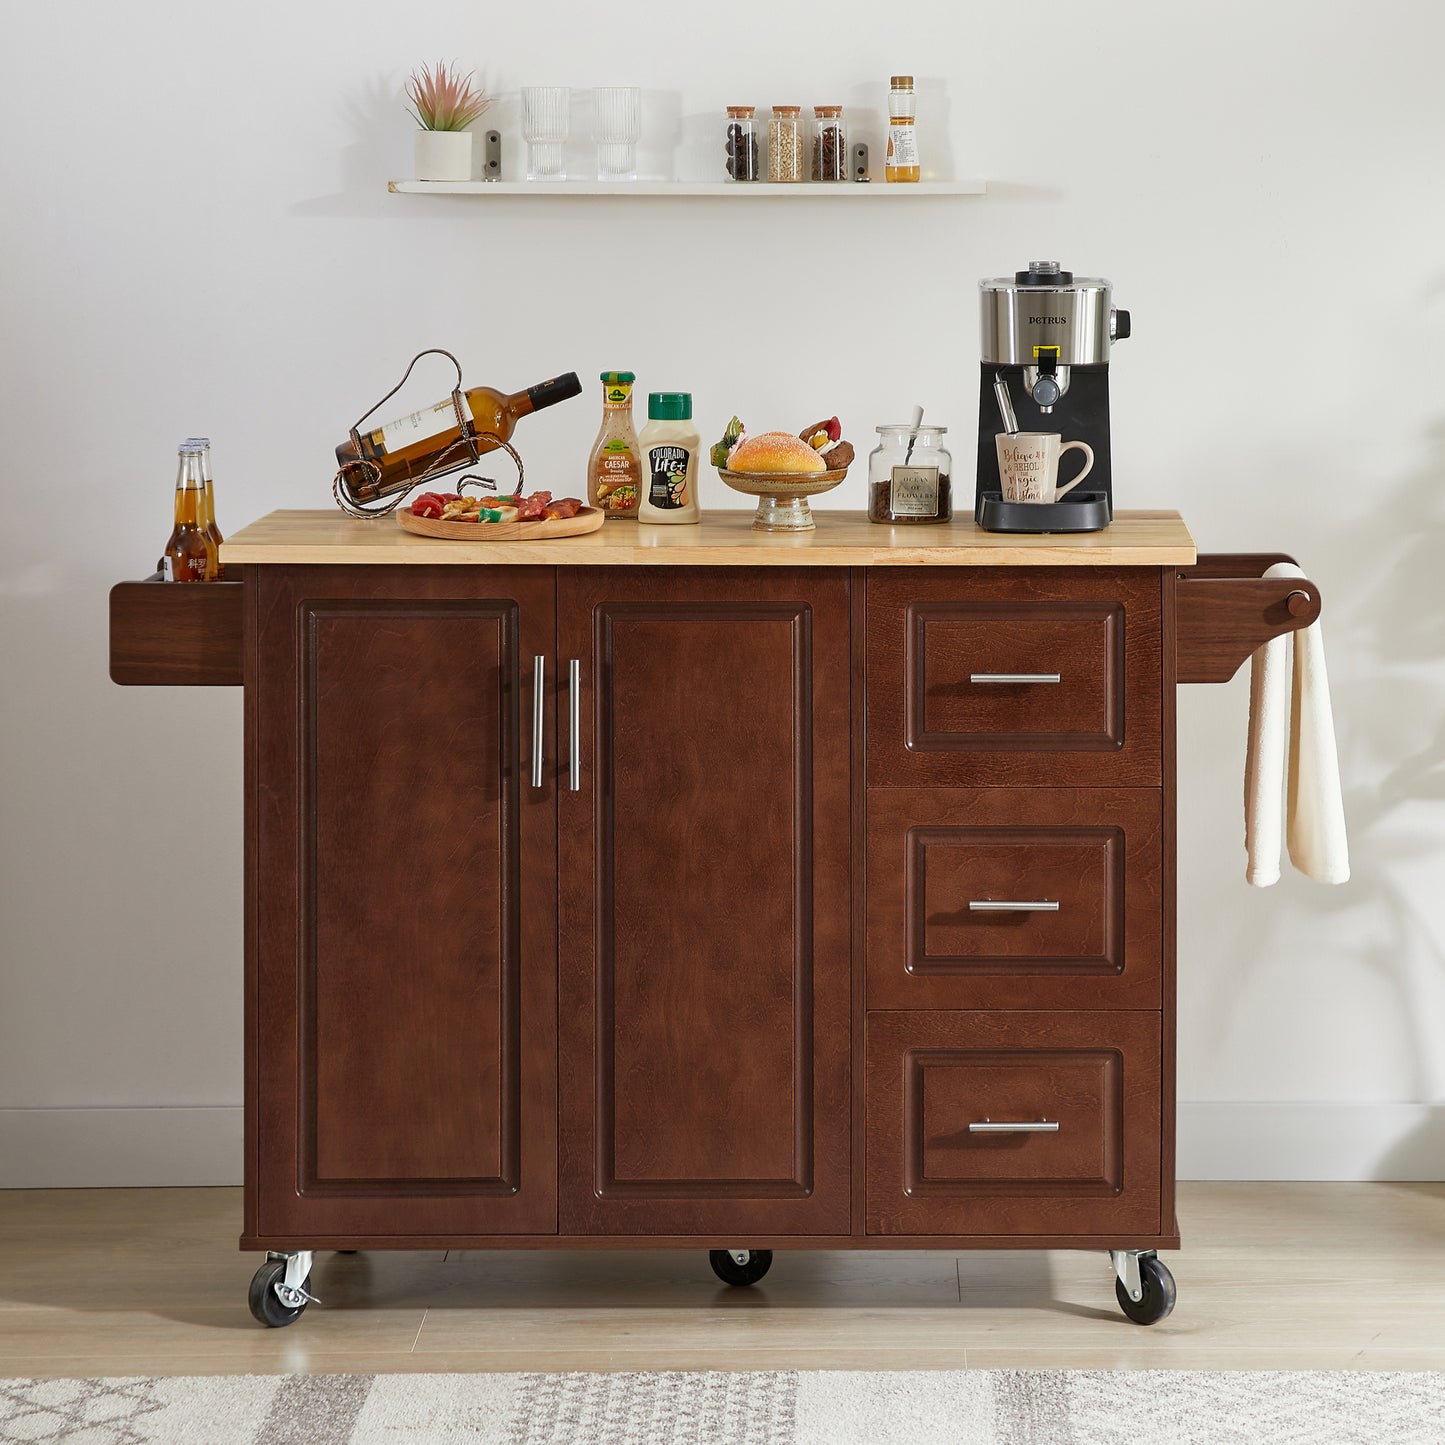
1158 1297
266 1306
756 1264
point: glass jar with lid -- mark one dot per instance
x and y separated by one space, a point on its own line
742 143
910 476
785 144
830 144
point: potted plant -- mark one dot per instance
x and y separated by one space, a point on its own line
444 103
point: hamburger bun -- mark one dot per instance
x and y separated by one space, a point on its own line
775 451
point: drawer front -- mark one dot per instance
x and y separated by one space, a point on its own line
1083 866
1050 677
1013 1123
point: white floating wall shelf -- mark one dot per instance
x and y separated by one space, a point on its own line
734 190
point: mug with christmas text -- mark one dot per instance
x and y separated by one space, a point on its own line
1028 465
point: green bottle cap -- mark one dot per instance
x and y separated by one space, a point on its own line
613 377
669 406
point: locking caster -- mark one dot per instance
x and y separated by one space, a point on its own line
279 1289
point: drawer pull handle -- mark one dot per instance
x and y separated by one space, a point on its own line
1000 1126
539 675
1014 677
1012 905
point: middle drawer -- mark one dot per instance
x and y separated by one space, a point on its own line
1036 898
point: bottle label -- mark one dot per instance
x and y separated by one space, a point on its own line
617 444
668 467
914 492
902 144
617 393
420 426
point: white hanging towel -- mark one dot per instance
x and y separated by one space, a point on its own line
1292 755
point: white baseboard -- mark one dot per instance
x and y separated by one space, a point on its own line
1312 1141
117 1148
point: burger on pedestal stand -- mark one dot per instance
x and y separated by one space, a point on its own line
782 471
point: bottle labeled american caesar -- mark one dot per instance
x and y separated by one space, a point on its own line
614 471
405 450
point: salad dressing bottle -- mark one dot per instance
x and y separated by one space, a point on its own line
670 446
614 470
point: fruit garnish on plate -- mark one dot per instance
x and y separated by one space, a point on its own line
826 437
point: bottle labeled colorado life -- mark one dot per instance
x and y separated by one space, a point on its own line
902 160
212 530
670 445
614 470
406 449
190 553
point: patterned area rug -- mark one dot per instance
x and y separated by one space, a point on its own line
966 1407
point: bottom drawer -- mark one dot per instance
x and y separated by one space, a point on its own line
1013 1123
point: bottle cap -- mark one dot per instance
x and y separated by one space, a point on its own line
613 377
901 82
742 112
669 406
787 110
200 441
827 112
191 447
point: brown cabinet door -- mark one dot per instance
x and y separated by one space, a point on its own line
705 898
402 999
1027 898
1013 1123
1014 677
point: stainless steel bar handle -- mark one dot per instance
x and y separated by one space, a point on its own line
1012 905
1014 677
1000 1126
539 680
574 724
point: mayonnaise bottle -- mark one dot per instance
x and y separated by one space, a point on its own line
670 445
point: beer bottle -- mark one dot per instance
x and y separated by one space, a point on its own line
212 530
191 550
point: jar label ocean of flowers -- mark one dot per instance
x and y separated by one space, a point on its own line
914 491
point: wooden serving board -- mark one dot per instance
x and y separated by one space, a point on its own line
589 519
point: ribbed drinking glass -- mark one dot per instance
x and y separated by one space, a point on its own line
546 113
617 124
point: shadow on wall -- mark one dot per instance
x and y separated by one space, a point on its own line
1388 652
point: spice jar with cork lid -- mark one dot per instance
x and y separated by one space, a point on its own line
785 144
742 143
910 476
830 144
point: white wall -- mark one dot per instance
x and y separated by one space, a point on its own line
197 237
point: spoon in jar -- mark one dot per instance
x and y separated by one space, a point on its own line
913 434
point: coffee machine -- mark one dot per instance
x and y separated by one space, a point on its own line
1046 336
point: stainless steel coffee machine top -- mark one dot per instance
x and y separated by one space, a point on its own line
1044 367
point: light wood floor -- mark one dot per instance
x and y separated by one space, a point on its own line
1287 1276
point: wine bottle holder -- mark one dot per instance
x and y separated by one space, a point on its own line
352 477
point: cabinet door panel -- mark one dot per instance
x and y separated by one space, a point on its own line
705 951
406 1003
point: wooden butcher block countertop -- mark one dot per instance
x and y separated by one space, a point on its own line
722 539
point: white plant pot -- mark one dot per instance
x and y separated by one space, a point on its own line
444 155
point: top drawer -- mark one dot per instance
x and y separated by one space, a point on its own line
1045 677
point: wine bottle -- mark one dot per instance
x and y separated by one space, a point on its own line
405 450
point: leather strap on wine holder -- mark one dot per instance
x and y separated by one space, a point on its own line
462 453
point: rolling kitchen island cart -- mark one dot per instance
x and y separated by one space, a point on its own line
689 887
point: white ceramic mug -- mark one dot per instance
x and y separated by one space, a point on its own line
1028 465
